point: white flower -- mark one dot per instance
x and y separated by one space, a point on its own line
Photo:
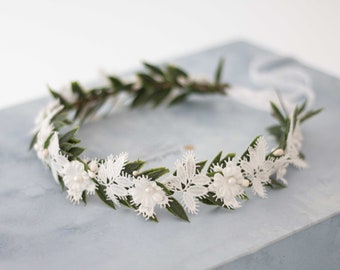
43 134
44 129
146 194
47 113
191 184
294 144
228 184
77 181
258 169
57 161
280 167
111 176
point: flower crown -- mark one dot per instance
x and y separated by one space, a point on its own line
117 181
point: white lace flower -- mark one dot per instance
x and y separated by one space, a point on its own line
44 133
191 184
44 129
146 194
77 181
257 168
294 144
228 184
280 167
46 114
111 176
57 161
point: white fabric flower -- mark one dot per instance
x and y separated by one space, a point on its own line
77 181
43 134
294 144
280 168
111 176
228 184
57 161
191 184
258 169
44 129
48 113
146 194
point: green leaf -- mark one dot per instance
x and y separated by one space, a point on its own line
33 141
165 189
127 203
60 97
154 218
47 142
219 70
211 200
174 72
277 113
245 154
215 161
159 96
76 151
61 116
68 135
146 79
66 146
133 166
302 108
83 196
155 173
200 165
140 98
177 209
228 157
77 89
153 69
61 182
116 83
275 130
178 99
310 114
206 201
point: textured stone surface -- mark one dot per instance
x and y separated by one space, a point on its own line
40 229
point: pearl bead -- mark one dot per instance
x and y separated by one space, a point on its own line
231 180
245 183
278 152
135 173
93 166
45 153
148 189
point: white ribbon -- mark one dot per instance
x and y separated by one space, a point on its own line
275 78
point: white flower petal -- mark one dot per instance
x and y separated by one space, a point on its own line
246 166
197 191
181 172
119 164
124 181
116 191
258 188
190 165
173 183
190 203
201 180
